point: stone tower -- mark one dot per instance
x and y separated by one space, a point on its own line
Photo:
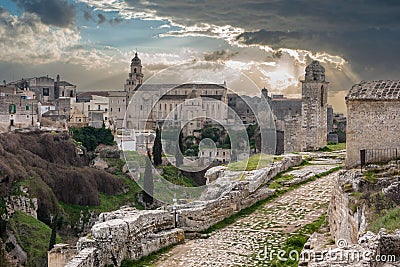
135 76
314 107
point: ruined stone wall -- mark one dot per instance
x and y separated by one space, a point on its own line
126 234
346 223
60 255
293 138
314 114
371 125
131 234
200 215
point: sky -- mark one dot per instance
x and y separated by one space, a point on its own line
90 42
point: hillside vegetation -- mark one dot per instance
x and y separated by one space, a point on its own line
48 165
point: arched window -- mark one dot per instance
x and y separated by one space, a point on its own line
134 70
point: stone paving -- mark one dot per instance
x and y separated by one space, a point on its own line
239 243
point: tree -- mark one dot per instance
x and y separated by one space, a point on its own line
148 183
53 236
178 153
157 148
91 137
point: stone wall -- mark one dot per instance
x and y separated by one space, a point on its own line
126 234
60 255
371 125
131 234
229 193
346 223
293 137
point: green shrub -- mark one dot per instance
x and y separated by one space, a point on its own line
91 137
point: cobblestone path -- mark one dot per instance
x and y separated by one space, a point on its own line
239 243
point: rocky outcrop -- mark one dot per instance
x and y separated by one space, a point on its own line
22 202
108 151
99 163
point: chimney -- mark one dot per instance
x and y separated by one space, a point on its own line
4 83
58 78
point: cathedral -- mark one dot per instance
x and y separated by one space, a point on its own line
301 124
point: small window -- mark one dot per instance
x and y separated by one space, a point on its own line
12 109
111 109
106 109
46 91
27 107
98 107
119 109
105 118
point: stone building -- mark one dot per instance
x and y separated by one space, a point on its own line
17 112
244 106
314 107
94 106
43 87
302 123
64 88
373 119
185 104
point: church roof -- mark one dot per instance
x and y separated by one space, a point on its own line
375 90
156 87
64 83
136 60
201 86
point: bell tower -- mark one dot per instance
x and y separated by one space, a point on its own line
135 77
314 107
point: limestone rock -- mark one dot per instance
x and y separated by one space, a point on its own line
99 163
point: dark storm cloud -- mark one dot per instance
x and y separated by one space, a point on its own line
115 21
87 15
101 18
220 55
52 12
364 32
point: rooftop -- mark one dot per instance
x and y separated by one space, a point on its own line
375 90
